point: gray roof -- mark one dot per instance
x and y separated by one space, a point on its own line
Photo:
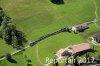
81 26
97 38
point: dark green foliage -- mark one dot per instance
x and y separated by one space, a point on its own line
1 15
8 56
18 38
9 33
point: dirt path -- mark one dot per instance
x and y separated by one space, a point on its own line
37 56
95 12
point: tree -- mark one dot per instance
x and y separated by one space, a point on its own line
8 27
8 56
14 41
8 31
2 14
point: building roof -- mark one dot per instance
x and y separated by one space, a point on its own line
97 38
97 35
74 49
63 50
80 47
81 26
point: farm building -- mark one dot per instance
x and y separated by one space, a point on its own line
79 48
63 51
79 27
72 50
95 38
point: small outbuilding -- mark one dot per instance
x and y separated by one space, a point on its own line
79 27
95 38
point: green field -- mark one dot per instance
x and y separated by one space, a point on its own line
39 17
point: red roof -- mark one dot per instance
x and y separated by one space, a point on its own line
80 47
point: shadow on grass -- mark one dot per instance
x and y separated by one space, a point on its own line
12 61
29 64
84 52
83 30
57 1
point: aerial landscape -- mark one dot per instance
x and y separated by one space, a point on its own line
49 32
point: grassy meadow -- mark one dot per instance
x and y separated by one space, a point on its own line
39 17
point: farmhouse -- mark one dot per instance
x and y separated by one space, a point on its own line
79 48
79 27
95 38
72 50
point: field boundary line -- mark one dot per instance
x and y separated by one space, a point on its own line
37 55
95 13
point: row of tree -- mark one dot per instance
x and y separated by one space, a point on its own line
8 31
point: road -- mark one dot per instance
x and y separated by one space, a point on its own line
45 37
